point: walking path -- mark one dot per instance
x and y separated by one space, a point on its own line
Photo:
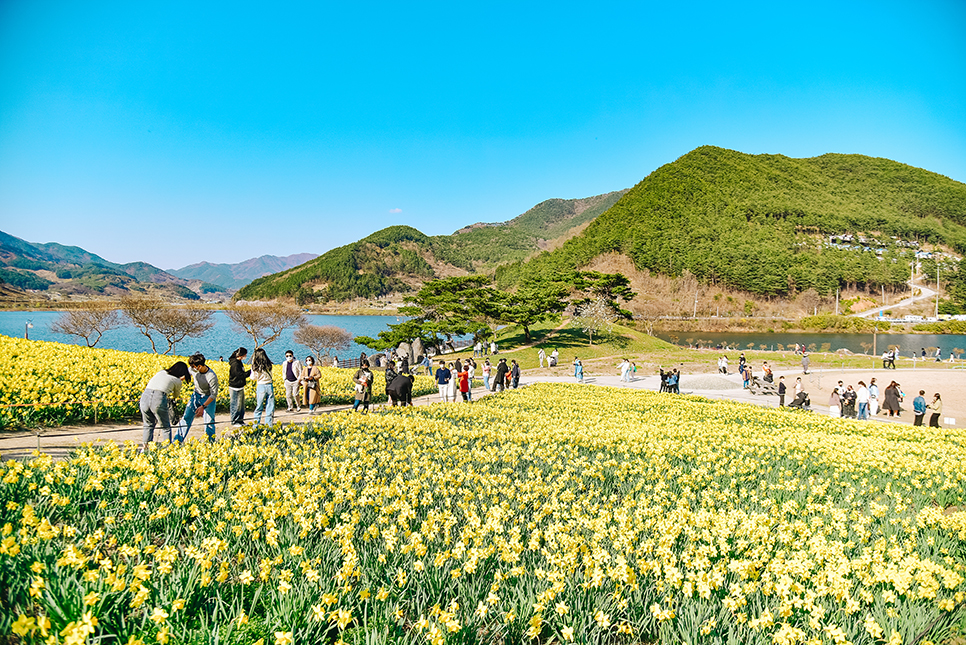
925 293
59 441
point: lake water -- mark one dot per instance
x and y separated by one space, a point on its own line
221 340
907 343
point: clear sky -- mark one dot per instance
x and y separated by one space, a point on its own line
175 132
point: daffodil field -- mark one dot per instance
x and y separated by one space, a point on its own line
43 383
554 513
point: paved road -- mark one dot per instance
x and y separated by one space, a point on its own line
925 293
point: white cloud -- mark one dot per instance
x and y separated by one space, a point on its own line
395 210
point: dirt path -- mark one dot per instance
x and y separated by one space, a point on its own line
58 442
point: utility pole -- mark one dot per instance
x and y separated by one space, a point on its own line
836 301
937 289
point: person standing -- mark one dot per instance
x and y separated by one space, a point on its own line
390 376
158 400
625 371
309 382
499 379
919 408
862 398
542 356
402 386
805 362
873 398
848 402
478 349
835 404
578 370
203 398
443 377
781 391
264 390
554 358
464 383
237 376
493 347
453 386
892 399
291 373
487 368
363 381
937 409
514 375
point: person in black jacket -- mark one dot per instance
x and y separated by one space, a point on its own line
400 389
500 380
237 375
515 375
390 376
781 391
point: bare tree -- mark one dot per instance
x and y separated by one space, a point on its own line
322 340
150 314
88 321
264 322
143 312
596 316
176 324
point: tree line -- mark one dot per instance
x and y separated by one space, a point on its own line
448 308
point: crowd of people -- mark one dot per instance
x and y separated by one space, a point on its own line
301 382
863 401
457 377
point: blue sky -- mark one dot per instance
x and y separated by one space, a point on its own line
179 132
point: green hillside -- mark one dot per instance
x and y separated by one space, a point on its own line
399 258
368 268
761 223
489 245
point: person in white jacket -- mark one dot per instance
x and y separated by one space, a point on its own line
862 398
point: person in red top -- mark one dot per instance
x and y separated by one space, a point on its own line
464 382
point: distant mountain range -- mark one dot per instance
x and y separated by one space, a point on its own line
65 271
236 276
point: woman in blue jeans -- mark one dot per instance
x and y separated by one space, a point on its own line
158 399
264 392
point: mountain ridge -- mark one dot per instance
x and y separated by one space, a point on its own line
764 223
237 275
400 258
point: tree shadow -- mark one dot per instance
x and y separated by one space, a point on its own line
570 338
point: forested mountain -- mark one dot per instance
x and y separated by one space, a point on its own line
235 276
762 223
400 258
